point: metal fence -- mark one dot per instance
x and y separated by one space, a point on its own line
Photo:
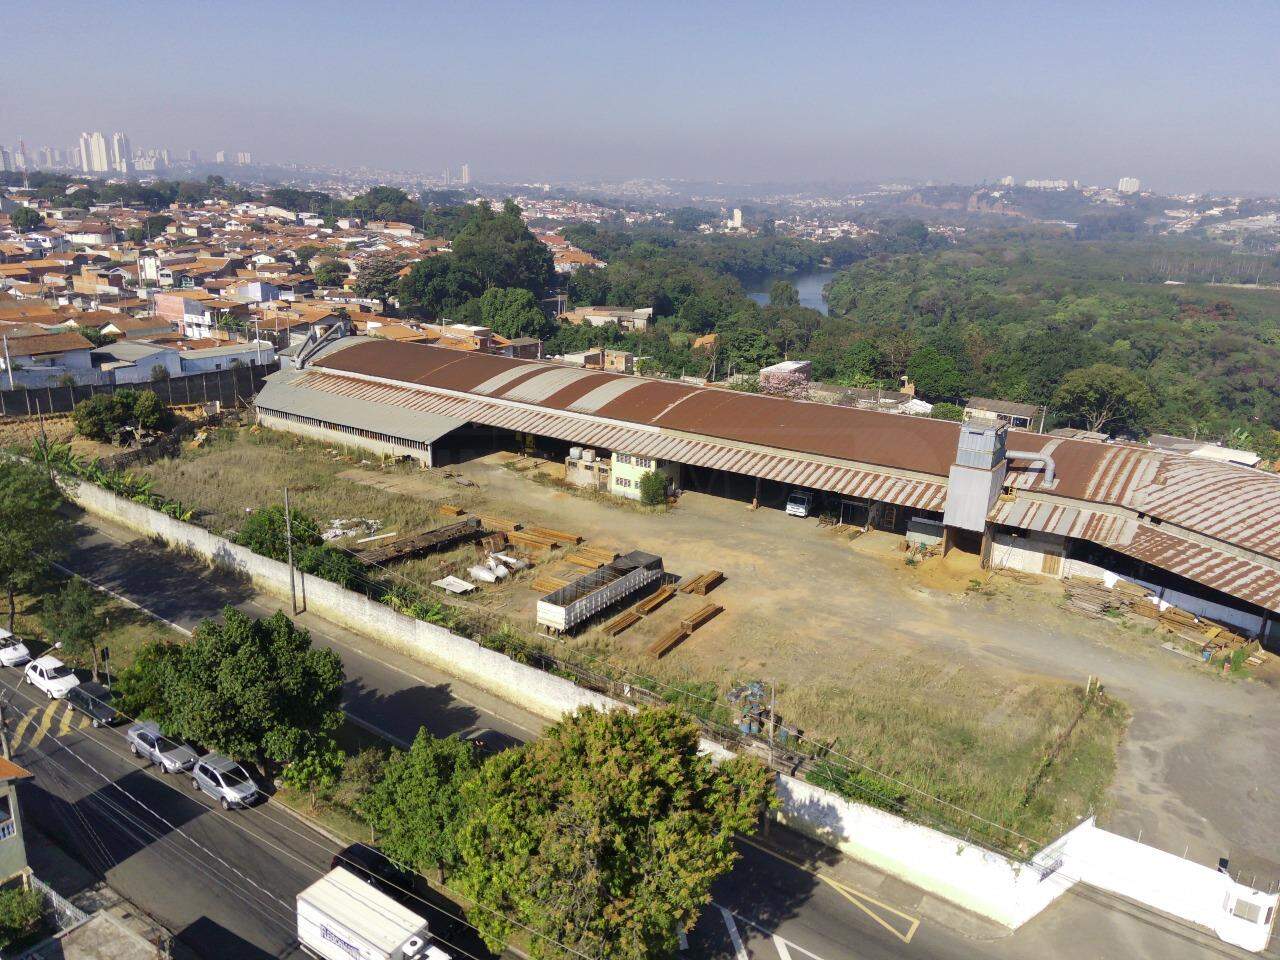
233 387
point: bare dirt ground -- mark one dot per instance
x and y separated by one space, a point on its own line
1195 771
958 680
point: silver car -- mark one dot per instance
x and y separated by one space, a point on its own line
146 741
224 780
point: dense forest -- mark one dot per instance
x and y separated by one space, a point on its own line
1039 321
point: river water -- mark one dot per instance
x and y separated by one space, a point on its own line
808 285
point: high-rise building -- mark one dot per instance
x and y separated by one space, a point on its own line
193 157
1129 185
93 153
466 174
1007 181
20 160
6 162
121 153
220 157
244 158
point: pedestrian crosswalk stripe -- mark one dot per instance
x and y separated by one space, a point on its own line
739 949
46 717
22 727
37 723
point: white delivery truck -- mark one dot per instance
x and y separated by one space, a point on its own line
340 917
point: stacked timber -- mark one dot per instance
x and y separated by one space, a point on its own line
623 620
559 536
493 523
548 584
656 599
702 584
1092 598
421 542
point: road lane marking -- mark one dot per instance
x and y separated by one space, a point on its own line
738 947
43 728
863 901
781 946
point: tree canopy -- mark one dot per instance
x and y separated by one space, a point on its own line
33 533
1106 398
605 834
252 689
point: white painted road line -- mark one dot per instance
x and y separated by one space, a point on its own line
738 947
781 946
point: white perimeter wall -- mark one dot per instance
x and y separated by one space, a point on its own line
969 876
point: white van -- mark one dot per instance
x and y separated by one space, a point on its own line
800 503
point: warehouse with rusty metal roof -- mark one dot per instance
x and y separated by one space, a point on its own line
1205 534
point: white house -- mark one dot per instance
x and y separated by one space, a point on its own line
223 358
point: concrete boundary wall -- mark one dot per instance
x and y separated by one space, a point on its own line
972 877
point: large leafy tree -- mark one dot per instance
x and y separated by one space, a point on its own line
73 615
33 534
605 834
416 806
266 533
379 278
513 312
252 689
1104 397
499 249
25 219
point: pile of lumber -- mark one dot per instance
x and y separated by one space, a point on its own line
492 523
623 620
702 584
532 542
558 535
449 510
697 619
580 559
548 584
656 599
667 642
601 555
1092 596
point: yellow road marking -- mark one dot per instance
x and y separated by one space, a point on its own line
862 901
46 717
64 724
22 726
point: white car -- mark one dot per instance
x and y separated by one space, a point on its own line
52 676
799 504
13 652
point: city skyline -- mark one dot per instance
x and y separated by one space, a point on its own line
926 91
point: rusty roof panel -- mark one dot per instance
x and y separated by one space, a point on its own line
642 442
1237 577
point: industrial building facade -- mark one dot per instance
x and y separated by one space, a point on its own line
1207 533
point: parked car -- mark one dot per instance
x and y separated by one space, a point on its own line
407 888
51 675
147 741
94 701
13 652
373 867
800 503
224 780
488 741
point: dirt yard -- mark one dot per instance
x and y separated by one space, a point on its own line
956 681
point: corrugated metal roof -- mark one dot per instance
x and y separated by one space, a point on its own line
1068 521
1233 504
288 396
1234 576
641 441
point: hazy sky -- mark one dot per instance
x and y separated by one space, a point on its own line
1184 95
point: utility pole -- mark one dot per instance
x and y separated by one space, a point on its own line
4 729
288 534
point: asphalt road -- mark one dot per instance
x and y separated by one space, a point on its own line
773 906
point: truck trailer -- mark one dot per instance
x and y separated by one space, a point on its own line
576 602
340 917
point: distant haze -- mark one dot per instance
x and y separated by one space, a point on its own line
1183 95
